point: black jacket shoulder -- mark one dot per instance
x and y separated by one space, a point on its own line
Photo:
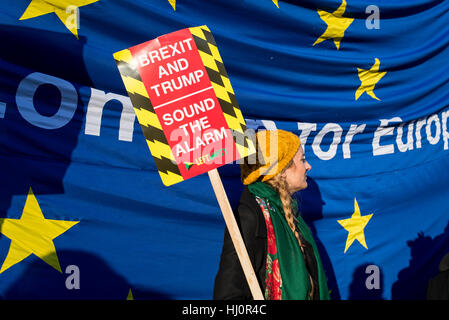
230 282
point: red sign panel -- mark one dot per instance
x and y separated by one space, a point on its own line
173 71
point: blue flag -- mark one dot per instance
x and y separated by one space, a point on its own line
84 213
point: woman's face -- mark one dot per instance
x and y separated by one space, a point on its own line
296 174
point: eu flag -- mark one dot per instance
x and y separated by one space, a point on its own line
83 211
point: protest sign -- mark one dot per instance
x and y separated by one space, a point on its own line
185 104
189 115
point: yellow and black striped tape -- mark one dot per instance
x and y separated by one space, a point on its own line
151 127
218 76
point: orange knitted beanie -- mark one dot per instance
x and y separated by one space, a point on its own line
276 148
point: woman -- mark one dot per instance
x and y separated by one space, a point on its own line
280 245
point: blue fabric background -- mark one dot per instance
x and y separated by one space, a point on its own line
165 243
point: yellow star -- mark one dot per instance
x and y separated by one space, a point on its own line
66 10
130 295
32 233
276 3
336 25
355 227
369 79
173 4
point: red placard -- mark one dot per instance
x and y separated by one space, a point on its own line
185 103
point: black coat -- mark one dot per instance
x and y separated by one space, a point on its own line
230 282
438 287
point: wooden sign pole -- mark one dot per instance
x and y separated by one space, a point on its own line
234 232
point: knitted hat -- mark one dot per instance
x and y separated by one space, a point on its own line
276 148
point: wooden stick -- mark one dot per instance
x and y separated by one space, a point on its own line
234 232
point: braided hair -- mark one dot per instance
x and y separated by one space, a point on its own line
279 184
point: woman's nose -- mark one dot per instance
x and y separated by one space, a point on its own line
308 166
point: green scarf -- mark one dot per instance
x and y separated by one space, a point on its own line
295 278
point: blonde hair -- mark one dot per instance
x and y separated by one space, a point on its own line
279 184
